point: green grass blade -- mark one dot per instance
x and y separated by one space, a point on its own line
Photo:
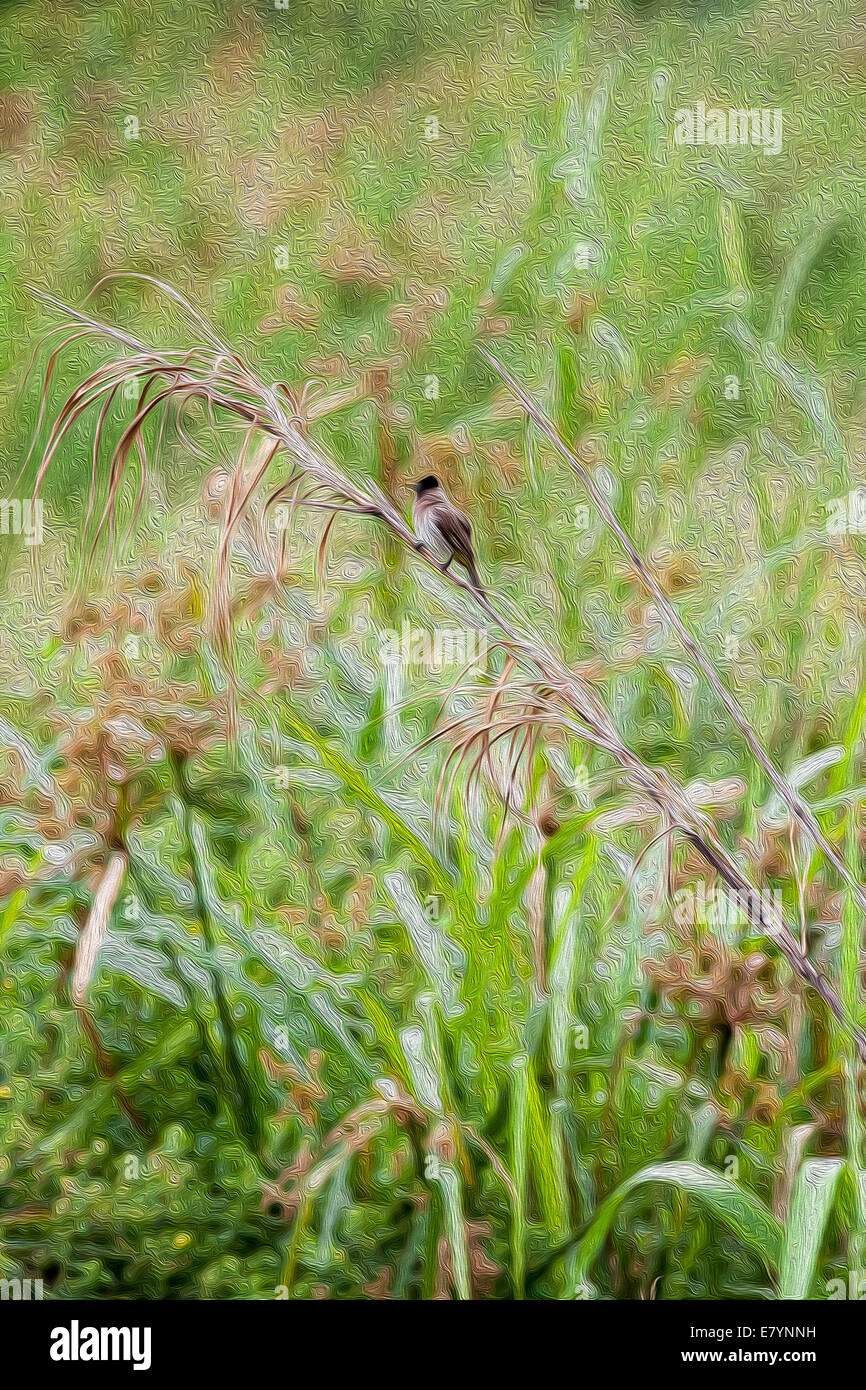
731 1204
811 1201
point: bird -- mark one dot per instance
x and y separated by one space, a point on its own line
442 529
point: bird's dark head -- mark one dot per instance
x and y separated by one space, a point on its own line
425 485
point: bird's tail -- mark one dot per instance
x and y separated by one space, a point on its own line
476 582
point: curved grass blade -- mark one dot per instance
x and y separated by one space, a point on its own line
811 1202
731 1204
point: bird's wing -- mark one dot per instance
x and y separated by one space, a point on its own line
455 529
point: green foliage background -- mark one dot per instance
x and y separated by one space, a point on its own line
326 1065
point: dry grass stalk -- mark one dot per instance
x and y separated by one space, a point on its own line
93 934
795 804
551 694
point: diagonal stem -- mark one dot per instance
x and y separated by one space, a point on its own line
804 813
252 401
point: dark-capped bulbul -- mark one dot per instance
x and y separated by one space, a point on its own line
442 528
